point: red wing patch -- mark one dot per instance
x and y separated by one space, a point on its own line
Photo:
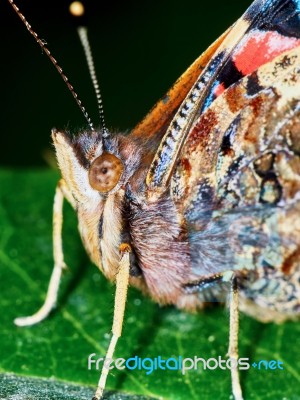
258 47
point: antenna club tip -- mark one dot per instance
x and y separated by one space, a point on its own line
76 8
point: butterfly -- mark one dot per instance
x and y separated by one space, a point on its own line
200 202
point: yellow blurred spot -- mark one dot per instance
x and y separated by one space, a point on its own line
125 248
76 8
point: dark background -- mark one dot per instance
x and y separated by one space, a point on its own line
140 49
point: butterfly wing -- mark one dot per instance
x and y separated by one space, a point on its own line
237 182
267 29
152 128
217 147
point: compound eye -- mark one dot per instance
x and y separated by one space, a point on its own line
105 172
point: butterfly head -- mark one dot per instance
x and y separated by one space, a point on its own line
93 165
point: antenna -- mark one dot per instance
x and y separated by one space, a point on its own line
54 62
77 10
82 32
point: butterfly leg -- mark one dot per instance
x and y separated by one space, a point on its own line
59 264
233 339
122 281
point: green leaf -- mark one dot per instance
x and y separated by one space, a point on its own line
58 348
14 387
